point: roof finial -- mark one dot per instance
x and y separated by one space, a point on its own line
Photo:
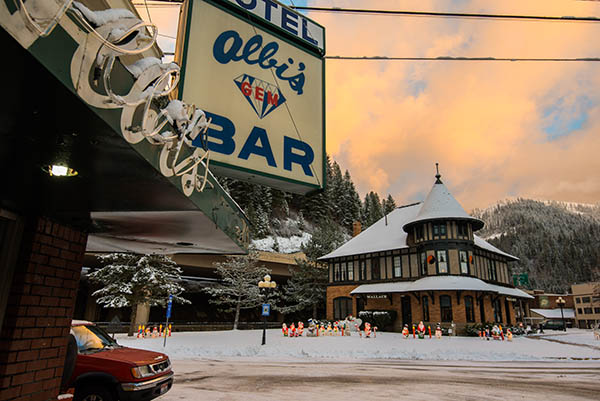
437 176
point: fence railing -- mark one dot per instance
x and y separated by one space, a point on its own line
123 327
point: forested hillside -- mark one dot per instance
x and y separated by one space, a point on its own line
329 215
557 243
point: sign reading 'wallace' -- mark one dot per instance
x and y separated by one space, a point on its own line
256 68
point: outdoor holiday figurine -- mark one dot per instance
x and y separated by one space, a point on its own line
367 330
405 332
335 328
140 333
347 328
292 330
358 330
495 332
421 330
300 330
160 333
438 331
509 335
322 329
154 332
284 330
329 328
313 331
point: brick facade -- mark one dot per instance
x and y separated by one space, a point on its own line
40 306
459 314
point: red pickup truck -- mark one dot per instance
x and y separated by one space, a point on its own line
106 371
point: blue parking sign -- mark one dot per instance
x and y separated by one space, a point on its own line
169 304
266 309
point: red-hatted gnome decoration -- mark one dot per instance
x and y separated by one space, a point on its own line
284 330
405 332
300 330
421 330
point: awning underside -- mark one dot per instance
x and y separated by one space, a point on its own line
440 283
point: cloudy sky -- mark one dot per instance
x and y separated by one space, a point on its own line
498 129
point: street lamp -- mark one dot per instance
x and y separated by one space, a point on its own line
264 286
561 302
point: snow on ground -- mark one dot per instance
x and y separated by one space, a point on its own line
574 336
284 245
247 344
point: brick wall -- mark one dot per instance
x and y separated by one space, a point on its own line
40 307
335 291
459 314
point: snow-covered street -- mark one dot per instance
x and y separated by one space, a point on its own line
232 366
246 344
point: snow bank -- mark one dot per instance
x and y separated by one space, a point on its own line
235 344
284 245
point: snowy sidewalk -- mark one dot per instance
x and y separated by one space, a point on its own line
246 344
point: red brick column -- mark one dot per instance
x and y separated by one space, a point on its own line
40 308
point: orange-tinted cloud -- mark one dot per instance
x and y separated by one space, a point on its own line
498 129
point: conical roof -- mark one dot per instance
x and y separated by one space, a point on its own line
441 205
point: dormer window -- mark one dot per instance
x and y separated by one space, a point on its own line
439 230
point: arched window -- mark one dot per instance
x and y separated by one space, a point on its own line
446 308
425 303
342 307
469 312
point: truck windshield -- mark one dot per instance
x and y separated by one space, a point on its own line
92 338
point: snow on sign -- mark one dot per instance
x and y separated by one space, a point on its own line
256 68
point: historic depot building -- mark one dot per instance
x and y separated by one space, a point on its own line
424 262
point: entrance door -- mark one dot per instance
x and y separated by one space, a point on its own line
406 312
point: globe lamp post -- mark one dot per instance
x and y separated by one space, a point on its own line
264 286
561 302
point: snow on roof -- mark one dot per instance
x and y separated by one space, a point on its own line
379 237
555 313
385 237
483 244
439 283
440 204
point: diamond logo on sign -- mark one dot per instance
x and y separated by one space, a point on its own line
263 96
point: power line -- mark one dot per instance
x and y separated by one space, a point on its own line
447 14
448 58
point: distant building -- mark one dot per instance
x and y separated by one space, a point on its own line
424 262
544 307
587 307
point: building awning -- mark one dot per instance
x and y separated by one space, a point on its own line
131 194
555 313
440 283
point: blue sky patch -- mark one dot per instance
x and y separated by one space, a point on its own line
565 116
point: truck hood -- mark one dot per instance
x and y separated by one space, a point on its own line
132 356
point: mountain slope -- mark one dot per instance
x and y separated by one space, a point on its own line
557 242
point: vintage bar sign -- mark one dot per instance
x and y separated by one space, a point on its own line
286 18
262 88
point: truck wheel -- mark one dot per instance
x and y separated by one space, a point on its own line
93 393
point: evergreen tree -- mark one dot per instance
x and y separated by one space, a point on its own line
327 237
350 203
238 288
389 204
130 280
306 289
372 209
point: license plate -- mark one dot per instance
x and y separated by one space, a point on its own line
164 387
